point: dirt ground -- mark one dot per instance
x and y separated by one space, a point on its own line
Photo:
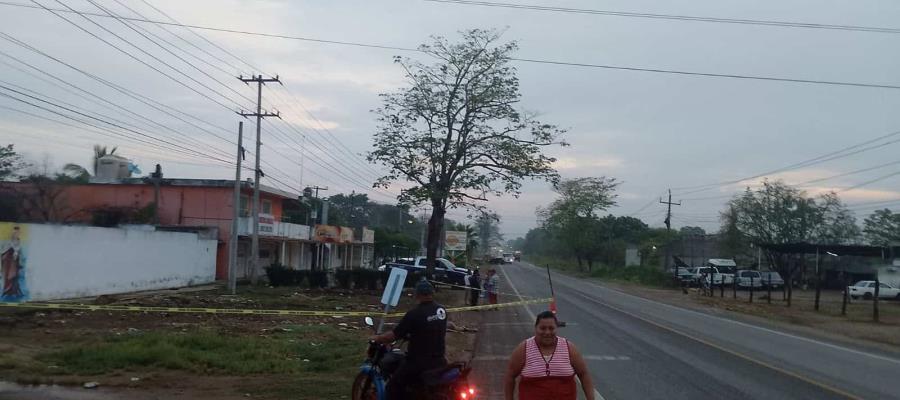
31 341
857 327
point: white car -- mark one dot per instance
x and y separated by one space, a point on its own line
866 290
746 279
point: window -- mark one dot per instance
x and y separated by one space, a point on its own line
245 206
266 206
885 286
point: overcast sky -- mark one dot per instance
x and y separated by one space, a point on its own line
651 131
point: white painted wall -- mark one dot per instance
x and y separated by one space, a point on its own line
78 261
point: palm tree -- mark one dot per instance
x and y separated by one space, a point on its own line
81 173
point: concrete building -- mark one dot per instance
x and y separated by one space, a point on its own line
183 204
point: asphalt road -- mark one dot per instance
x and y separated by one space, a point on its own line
641 349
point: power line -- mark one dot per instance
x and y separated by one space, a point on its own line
129 25
241 60
161 107
178 148
143 99
834 155
878 179
132 56
291 126
784 24
188 42
526 60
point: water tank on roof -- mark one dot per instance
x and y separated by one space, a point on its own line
112 168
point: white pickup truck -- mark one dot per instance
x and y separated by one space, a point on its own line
719 271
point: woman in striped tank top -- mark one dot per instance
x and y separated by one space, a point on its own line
546 366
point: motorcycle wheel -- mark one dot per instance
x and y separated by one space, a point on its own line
364 388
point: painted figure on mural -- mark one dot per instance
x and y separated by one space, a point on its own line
11 263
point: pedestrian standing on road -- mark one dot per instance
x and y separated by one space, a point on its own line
474 287
546 365
492 286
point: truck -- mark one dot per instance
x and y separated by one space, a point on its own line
718 271
495 256
445 271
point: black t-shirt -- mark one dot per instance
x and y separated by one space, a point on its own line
425 328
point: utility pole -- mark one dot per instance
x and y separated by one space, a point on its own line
669 203
233 244
259 114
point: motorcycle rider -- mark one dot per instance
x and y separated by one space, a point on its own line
425 327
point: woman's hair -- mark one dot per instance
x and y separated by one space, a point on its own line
546 315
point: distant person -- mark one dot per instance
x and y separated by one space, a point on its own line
474 287
546 366
492 286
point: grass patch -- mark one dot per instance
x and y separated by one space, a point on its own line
209 353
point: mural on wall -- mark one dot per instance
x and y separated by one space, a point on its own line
13 256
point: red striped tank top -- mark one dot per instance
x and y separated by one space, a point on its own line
558 364
547 377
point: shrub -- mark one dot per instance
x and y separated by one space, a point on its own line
317 279
279 275
344 277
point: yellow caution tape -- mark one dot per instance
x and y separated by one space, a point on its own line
194 310
238 311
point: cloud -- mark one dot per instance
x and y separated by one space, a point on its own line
577 163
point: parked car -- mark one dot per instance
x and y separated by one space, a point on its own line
866 290
771 278
445 271
746 279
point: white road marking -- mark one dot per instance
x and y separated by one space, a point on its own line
513 287
814 341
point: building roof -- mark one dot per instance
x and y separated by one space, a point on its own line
224 183
840 250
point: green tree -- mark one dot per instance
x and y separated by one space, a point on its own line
572 218
455 133
692 231
838 222
882 228
10 162
780 214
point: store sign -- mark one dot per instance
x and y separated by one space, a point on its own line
455 241
266 223
327 234
368 235
346 234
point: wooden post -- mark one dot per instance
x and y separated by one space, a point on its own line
844 302
875 300
751 288
818 280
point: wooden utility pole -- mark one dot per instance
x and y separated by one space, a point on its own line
259 114
669 203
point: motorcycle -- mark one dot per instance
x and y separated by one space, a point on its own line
446 383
